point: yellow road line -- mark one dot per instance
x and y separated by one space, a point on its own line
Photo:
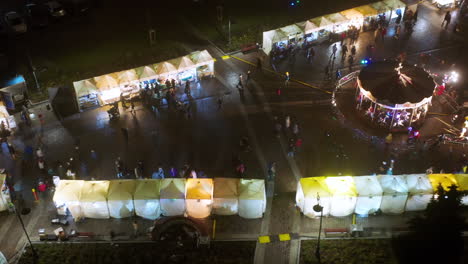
279 74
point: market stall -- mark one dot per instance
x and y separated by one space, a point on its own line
369 16
186 70
369 195
93 199
310 192
225 196
252 198
462 180
274 39
129 84
344 195
397 9
204 63
324 27
67 198
394 95
420 192
340 22
87 94
199 197
395 194
4 194
172 196
120 198
445 180
446 3
146 198
108 86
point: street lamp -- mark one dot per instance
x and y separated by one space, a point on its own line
25 211
319 209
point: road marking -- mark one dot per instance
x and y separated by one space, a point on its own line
225 57
284 237
264 239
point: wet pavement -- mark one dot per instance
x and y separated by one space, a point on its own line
209 139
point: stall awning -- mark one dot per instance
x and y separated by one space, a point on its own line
173 189
313 186
226 188
366 10
462 180
381 7
127 77
145 73
307 26
393 184
183 63
321 22
352 14
199 189
292 31
368 186
394 4
446 180
337 18
106 82
85 87
252 189
165 68
275 36
201 57
68 191
341 186
94 191
147 189
121 190
418 184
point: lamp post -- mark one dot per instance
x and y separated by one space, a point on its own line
318 208
12 206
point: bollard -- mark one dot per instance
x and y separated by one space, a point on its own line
214 229
36 198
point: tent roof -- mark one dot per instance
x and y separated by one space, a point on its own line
201 57
336 18
313 185
125 77
307 26
145 73
147 189
392 83
418 184
94 191
121 190
275 35
367 10
251 189
393 184
321 22
380 7
199 189
226 188
368 186
107 81
446 180
183 63
462 180
352 14
341 186
85 87
68 191
172 188
165 68
2 179
292 30
394 4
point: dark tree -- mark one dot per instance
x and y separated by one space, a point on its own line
435 236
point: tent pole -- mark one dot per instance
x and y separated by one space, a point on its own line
393 118
411 118
375 106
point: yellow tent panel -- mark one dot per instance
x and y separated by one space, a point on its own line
121 190
251 189
147 189
226 188
367 10
352 14
341 186
380 7
462 180
199 188
315 185
172 188
94 191
445 179
68 191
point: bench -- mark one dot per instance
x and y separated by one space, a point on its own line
336 232
249 47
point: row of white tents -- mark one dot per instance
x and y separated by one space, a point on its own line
4 194
151 198
363 195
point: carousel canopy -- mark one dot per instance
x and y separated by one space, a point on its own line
392 83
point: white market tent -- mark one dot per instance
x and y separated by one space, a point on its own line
344 195
201 58
369 195
67 196
462 180
252 198
336 18
165 68
127 77
120 198
106 82
306 196
146 73
307 26
225 201
146 198
93 199
4 194
183 63
271 37
292 31
199 197
322 22
395 194
85 87
352 14
420 192
172 196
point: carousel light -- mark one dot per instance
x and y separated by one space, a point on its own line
454 76
365 61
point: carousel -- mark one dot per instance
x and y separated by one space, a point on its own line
394 95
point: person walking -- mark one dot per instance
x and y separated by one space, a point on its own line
271 171
447 19
139 170
383 32
291 148
286 79
220 103
337 74
119 167
124 134
247 79
353 50
344 50
12 151
327 72
334 49
173 172
187 90
240 85
132 108
122 101
287 122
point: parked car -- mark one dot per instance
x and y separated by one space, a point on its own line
15 22
56 10
37 15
